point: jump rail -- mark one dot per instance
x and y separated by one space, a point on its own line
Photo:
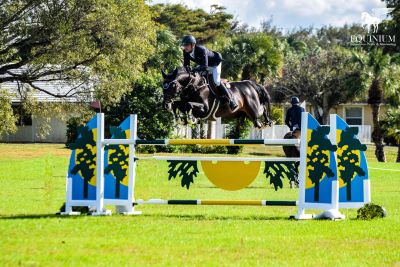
216 202
211 142
242 159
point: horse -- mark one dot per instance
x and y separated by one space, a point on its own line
200 98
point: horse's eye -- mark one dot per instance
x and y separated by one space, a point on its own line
165 86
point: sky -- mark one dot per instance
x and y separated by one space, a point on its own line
290 14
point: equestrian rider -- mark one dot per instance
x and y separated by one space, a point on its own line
209 61
293 115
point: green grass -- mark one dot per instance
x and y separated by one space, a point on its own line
32 183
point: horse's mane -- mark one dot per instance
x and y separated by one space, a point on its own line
182 71
185 71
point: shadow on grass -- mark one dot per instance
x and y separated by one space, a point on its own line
201 217
186 217
35 216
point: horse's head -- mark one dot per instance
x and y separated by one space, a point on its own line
173 85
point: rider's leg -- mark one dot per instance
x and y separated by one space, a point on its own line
216 71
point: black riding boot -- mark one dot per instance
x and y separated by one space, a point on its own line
226 93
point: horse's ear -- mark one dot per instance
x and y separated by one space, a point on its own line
164 74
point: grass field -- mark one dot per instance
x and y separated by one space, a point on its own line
32 184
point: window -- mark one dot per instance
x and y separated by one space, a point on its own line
353 115
24 119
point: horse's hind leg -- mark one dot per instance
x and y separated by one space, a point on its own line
268 120
254 116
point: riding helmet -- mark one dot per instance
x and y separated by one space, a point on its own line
188 39
295 100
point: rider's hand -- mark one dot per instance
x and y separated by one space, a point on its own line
200 68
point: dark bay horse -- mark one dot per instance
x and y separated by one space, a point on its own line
189 92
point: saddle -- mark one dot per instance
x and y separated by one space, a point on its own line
213 87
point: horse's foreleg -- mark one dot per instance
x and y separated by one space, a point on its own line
199 109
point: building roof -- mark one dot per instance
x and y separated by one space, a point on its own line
50 91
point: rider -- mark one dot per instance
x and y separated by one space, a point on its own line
208 61
293 115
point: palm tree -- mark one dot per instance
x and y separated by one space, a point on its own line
391 128
377 66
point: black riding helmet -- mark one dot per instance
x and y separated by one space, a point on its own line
295 100
188 39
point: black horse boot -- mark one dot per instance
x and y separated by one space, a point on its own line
226 93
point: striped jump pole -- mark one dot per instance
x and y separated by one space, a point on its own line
210 142
241 159
216 202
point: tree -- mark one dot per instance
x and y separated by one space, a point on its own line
144 100
391 128
329 36
8 119
382 75
204 26
89 44
392 26
168 55
324 78
254 56
146 95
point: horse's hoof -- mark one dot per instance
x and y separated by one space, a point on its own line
269 123
257 124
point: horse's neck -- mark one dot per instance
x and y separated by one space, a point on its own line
199 89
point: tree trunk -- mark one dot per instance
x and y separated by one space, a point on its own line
317 116
325 116
398 154
325 110
377 134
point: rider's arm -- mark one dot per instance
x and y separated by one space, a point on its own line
205 60
287 119
203 57
186 59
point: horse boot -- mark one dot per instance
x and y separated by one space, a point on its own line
226 93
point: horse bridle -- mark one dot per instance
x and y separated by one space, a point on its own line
180 88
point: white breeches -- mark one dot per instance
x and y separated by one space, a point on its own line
216 73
